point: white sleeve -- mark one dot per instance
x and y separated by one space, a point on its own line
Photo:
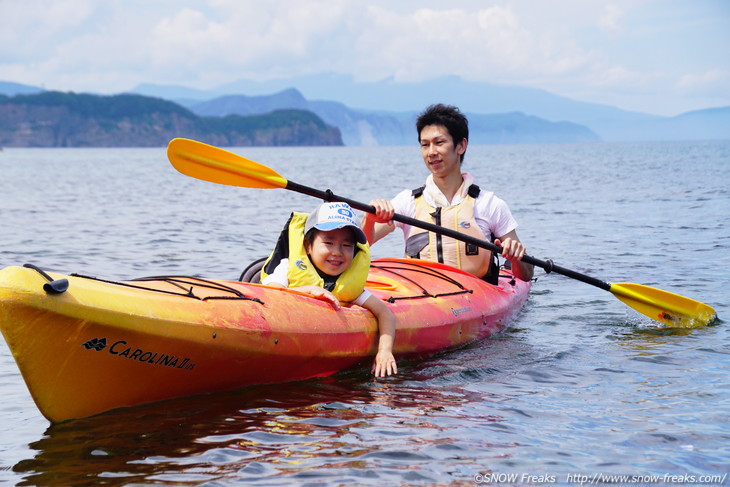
280 275
362 298
493 215
404 204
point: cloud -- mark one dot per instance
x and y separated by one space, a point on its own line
215 42
29 27
257 40
482 44
714 82
567 46
612 18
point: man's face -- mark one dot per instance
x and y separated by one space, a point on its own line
439 153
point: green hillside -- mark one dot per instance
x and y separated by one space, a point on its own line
56 119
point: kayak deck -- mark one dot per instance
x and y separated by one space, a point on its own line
100 344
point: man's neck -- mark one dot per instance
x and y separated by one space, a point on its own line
449 184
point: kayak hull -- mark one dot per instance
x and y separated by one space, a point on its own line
100 345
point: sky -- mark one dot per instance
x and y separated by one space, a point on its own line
663 57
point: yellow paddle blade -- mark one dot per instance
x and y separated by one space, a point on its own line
671 309
203 161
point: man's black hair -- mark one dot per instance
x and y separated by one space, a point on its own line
450 117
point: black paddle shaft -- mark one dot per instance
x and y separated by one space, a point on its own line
547 265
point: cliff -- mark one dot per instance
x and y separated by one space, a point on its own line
54 119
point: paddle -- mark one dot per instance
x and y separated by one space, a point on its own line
216 165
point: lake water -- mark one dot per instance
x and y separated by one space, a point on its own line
580 389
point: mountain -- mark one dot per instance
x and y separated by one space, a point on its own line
367 128
518 128
391 96
248 105
708 124
391 99
175 92
54 119
12 89
357 128
360 127
382 112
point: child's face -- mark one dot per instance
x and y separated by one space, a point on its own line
332 252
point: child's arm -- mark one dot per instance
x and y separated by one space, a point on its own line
278 278
384 360
319 293
314 291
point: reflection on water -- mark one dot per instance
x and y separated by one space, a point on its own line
306 428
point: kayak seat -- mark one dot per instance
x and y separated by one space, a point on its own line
252 273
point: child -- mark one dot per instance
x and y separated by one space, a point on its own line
325 254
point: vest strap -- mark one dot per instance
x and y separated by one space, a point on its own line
421 239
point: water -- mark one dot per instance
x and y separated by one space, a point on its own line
580 385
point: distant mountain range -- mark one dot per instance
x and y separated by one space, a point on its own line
402 101
11 89
55 119
383 113
363 127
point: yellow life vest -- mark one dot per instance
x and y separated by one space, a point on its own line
302 272
426 245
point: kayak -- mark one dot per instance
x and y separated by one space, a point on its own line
86 345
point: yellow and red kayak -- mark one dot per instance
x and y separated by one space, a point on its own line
92 345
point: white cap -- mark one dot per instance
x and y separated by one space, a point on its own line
334 215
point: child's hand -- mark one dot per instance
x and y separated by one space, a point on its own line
384 364
320 293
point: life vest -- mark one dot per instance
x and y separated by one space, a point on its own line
422 244
301 272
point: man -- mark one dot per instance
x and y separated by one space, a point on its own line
450 198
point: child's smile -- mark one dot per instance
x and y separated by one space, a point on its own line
332 251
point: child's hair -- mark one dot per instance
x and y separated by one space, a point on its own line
309 236
312 232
